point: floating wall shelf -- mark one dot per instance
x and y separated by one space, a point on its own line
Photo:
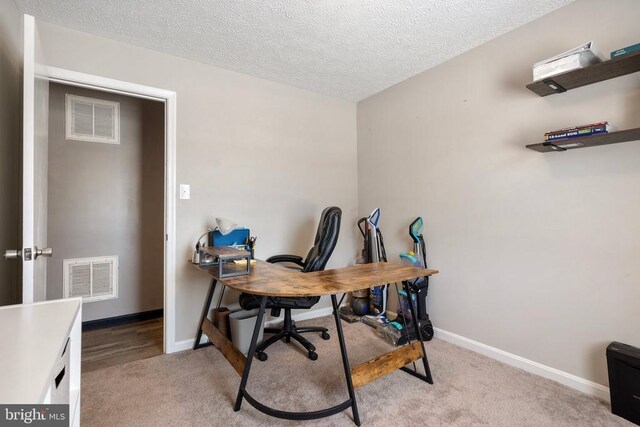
587 141
585 76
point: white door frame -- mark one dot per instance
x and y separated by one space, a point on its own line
74 78
28 154
34 195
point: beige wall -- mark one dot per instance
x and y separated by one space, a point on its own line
107 199
10 143
538 252
264 154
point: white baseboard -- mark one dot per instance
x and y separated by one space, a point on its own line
303 315
187 344
565 378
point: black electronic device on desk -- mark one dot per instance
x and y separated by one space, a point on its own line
229 260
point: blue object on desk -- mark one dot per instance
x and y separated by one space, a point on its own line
237 237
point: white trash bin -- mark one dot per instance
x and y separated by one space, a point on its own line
242 324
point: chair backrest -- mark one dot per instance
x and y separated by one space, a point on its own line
326 240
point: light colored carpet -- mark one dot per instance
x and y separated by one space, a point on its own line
198 388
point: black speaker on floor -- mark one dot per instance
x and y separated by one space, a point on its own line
624 380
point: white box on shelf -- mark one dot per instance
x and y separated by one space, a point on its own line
580 57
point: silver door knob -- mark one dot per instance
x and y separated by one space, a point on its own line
46 252
12 254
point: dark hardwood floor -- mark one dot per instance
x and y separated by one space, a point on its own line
114 345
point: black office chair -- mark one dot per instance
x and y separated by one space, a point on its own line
316 260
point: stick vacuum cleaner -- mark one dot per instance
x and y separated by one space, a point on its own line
371 301
419 287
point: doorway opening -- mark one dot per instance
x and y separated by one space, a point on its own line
105 218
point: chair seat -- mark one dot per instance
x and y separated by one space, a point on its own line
249 302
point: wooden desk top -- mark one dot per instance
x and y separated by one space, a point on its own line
275 280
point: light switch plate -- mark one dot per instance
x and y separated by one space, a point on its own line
185 191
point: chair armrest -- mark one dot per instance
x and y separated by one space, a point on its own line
295 259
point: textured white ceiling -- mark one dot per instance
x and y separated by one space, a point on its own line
349 49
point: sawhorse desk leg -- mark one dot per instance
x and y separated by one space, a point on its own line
298 416
250 355
345 361
205 309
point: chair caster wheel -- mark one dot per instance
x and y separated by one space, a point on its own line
262 356
313 355
325 336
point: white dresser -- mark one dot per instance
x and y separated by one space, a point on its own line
40 349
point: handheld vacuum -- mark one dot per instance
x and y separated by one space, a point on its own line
371 301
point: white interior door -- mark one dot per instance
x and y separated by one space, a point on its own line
35 163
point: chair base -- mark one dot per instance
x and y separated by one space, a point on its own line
289 331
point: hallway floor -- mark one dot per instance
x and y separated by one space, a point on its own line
102 348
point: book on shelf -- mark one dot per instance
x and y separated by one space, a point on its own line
579 131
625 51
590 125
575 134
579 57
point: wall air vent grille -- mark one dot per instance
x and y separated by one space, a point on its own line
92 120
93 279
